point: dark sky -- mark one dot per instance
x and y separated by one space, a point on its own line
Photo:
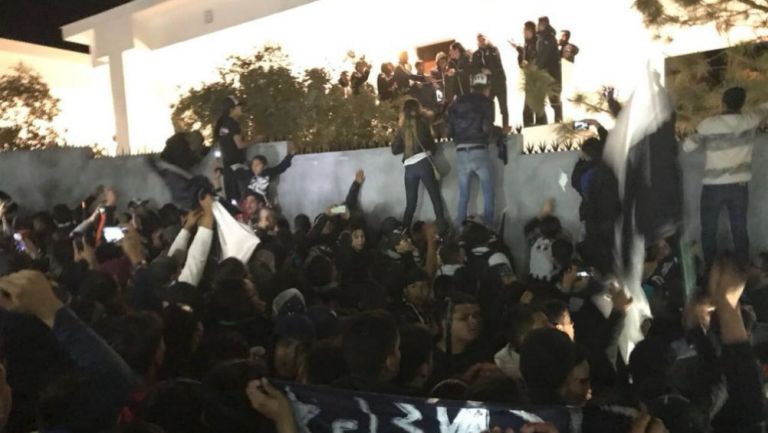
39 21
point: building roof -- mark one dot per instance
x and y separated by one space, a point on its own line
158 23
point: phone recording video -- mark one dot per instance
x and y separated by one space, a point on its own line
114 234
339 210
580 126
18 241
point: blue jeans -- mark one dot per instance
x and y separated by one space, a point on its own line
477 162
735 198
421 172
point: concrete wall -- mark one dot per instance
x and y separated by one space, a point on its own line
40 179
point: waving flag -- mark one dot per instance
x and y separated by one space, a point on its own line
642 150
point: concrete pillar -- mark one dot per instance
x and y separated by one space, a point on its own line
119 102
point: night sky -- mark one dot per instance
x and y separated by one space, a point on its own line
39 21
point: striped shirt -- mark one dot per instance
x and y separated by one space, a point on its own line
728 141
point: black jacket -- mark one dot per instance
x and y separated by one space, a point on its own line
548 54
654 182
470 119
459 84
424 134
386 87
527 53
489 58
358 80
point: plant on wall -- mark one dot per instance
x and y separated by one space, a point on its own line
537 85
723 13
696 81
27 109
277 105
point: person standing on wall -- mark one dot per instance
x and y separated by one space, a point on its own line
526 55
728 140
470 124
568 51
404 76
386 86
487 60
360 75
459 66
548 59
229 137
415 142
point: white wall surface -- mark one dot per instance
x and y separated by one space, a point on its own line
85 98
38 180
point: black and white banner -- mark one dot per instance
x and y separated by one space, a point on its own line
321 410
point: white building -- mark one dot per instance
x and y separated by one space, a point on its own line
145 53
83 90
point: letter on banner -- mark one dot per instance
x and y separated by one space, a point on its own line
343 425
412 415
466 421
301 411
374 424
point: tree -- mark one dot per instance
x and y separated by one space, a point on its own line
537 85
697 81
723 13
27 110
278 105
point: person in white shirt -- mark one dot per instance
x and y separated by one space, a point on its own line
728 140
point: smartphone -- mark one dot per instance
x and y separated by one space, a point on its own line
339 210
18 241
580 126
113 234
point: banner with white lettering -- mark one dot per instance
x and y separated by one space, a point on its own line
328 410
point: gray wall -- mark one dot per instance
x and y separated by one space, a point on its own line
40 179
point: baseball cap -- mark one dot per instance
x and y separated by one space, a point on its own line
500 263
289 301
479 80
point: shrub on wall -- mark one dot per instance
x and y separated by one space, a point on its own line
277 105
696 81
27 109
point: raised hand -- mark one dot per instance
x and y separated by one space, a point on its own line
132 246
360 176
206 217
271 403
87 254
192 218
621 300
30 292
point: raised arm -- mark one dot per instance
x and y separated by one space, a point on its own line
180 245
284 165
194 266
30 292
746 401
353 196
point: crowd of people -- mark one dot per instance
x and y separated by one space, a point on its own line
134 319
451 75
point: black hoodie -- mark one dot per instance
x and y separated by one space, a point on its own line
548 53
